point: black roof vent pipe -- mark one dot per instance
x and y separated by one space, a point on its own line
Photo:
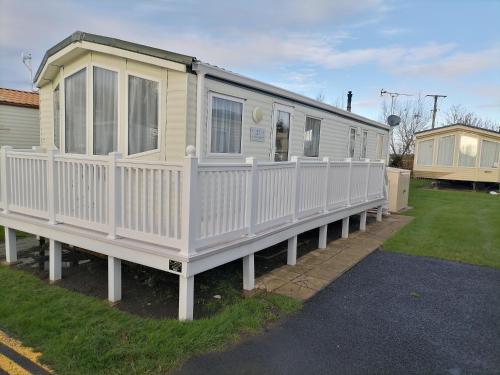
349 100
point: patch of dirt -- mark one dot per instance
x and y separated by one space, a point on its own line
151 293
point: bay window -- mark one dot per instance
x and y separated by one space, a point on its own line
446 149
226 125
467 155
425 152
105 111
142 115
311 137
75 109
489 154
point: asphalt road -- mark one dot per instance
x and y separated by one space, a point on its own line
391 314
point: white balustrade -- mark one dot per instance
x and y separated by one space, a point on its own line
187 206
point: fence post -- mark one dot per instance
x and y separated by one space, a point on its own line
4 175
367 178
189 200
349 178
327 177
296 188
252 196
114 191
51 185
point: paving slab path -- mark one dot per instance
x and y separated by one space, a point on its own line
390 314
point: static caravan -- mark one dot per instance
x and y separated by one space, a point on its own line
19 118
458 152
157 158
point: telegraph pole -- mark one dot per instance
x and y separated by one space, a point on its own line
434 110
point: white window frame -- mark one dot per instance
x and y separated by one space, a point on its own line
364 143
320 127
63 109
61 101
211 95
160 132
349 141
283 108
439 147
478 152
433 140
379 155
91 113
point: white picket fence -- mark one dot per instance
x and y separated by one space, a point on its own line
187 206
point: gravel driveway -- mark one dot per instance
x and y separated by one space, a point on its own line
391 314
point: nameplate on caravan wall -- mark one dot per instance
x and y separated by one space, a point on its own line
257 134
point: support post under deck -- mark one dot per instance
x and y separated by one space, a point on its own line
323 231
10 246
291 256
345 227
362 221
249 272
186 297
114 279
55 257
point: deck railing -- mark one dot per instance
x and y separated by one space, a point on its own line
187 206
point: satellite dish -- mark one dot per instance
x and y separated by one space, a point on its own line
393 120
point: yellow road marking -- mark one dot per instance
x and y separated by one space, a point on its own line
22 350
11 367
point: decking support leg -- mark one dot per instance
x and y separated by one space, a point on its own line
345 227
362 221
10 246
379 213
55 257
186 297
248 272
323 231
291 255
114 279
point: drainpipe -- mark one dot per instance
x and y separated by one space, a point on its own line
349 100
200 89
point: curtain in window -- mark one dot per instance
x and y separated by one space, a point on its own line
75 92
364 142
425 152
142 115
311 137
105 111
57 118
226 126
352 142
489 154
446 150
467 151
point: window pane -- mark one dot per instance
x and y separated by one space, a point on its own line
380 146
467 151
226 126
311 137
425 152
142 115
105 111
352 142
75 104
57 118
363 144
446 149
282 136
489 154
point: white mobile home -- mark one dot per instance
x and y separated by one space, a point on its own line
19 119
263 164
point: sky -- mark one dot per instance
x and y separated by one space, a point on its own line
313 47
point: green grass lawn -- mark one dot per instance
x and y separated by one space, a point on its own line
18 234
462 226
78 334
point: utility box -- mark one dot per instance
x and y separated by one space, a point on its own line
399 188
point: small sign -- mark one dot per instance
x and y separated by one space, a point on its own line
257 134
